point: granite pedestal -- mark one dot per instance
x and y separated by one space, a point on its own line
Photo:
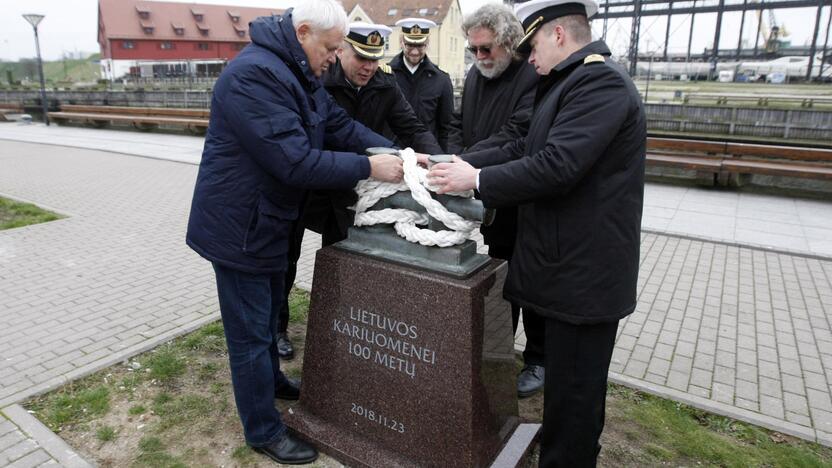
405 367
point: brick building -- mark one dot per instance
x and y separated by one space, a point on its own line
149 39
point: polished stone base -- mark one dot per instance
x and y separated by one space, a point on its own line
404 367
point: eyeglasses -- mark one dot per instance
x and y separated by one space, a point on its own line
476 49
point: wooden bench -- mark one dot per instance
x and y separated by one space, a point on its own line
142 118
9 108
760 99
725 161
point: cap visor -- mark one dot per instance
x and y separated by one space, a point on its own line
525 44
415 40
368 54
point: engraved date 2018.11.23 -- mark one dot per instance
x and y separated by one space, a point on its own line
379 418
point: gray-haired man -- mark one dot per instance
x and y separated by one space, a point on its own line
270 120
496 106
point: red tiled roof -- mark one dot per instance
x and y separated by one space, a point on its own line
389 11
121 20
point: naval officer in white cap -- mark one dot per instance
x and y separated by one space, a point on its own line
427 88
577 178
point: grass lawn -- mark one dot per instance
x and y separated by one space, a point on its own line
15 214
173 407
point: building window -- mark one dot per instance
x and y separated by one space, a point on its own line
392 12
239 46
241 33
128 45
143 11
203 46
166 45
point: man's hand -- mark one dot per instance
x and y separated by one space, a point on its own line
386 168
422 159
457 176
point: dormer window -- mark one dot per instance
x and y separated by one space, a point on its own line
147 27
178 29
143 11
198 14
204 29
234 15
240 30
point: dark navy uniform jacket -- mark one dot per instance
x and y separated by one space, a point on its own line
578 179
430 92
270 120
381 106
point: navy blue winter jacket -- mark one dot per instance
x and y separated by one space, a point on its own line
270 121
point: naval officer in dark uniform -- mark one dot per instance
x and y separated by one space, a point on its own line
368 91
578 180
427 88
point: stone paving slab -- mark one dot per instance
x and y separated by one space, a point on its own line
732 329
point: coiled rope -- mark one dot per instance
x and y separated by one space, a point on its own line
405 221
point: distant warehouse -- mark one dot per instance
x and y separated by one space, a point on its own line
150 39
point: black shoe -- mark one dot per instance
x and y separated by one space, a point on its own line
284 347
289 390
530 380
289 450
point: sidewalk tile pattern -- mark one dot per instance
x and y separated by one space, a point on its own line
18 450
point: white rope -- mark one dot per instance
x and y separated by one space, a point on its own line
404 221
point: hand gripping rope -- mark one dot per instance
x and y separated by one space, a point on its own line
405 221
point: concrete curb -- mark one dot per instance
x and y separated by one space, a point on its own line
45 438
722 409
114 358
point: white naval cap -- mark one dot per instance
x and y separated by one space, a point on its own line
415 30
535 13
368 39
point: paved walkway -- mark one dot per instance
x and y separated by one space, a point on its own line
737 330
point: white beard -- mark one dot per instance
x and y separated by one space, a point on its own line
496 70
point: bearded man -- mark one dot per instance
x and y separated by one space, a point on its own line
496 106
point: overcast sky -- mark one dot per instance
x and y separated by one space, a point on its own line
70 27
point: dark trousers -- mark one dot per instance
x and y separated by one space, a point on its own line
281 304
574 395
533 324
331 235
249 319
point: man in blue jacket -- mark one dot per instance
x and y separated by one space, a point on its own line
270 120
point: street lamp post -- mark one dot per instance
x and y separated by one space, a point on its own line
34 20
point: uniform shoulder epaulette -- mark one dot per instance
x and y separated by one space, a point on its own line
385 68
594 58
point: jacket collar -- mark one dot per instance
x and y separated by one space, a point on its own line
546 82
595 47
277 34
398 64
